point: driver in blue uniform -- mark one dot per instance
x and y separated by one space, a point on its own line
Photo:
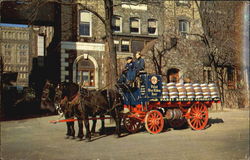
129 73
139 63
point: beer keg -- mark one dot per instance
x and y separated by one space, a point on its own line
213 90
173 95
197 90
179 84
170 84
205 90
182 92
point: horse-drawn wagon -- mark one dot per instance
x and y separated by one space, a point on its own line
154 101
151 102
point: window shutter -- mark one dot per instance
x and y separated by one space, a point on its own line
135 23
125 42
116 42
117 21
152 23
85 17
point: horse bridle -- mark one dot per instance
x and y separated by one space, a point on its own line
45 95
57 100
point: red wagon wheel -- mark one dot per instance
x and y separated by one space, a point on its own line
198 116
177 123
154 122
131 124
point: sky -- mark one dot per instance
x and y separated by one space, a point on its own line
13 25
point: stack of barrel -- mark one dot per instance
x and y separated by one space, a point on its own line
189 90
213 90
165 92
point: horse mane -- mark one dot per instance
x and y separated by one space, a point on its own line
70 89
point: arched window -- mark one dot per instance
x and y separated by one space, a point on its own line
173 75
86 72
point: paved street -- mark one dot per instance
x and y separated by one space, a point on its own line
35 139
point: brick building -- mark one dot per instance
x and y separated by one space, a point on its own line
82 37
16 52
79 53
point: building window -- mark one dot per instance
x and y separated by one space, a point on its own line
173 75
207 75
152 26
40 45
117 24
134 25
125 46
85 24
183 3
85 73
117 45
136 45
183 27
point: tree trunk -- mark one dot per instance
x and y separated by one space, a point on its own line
108 4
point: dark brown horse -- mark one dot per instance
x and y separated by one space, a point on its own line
103 102
63 98
89 103
67 98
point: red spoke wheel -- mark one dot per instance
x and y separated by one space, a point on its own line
198 116
154 122
177 123
131 124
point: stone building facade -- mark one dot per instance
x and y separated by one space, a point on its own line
176 25
23 50
16 52
82 39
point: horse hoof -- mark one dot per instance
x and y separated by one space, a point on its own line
80 138
73 137
118 136
88 140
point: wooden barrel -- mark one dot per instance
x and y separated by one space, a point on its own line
190 94
165 92
213 90
179 84
173 94
170 84
190 90
198 91
214 95
182 94
205 90
188 85
182 91
164 89
172 89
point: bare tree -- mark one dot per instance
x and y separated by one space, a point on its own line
219 29
162 46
